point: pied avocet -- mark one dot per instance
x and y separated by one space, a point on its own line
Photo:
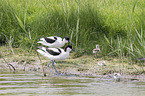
55 54
54 41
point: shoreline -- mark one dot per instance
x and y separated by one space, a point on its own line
82 66
85 65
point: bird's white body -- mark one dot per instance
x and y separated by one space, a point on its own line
55 54
60 55
53 42
117 77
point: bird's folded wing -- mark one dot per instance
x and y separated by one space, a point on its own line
53 51
50 39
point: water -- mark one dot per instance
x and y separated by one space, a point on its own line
37 85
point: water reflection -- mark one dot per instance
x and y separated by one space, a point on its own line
32 84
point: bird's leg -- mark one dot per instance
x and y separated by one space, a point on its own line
49 67
54 67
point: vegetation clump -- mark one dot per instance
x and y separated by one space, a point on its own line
117 26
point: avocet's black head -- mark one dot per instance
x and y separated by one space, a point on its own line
68 48
67 39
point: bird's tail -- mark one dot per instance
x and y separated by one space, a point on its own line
41 52
43 43
41 40
39 47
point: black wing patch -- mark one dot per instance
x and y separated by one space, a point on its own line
50 40
53 52
55 37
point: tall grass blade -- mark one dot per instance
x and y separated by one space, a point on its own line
134 4
77 28
106 39
21 24
44 73
6 62
71 36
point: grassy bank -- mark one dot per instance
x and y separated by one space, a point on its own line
118 26
85 65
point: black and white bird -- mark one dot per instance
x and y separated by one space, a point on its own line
117 77
55 54
54 41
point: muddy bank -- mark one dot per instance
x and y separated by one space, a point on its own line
81 66
85 65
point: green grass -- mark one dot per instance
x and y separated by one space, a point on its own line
87 22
